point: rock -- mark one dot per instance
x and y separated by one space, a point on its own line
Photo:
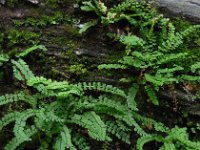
33 1
186 8
2 2
186 100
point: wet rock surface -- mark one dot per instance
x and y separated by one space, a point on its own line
186 8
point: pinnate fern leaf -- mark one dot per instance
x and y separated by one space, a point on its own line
8 118
93 123
64 140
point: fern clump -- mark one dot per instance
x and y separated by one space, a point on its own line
61 108
157 53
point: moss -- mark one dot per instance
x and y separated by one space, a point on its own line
77 69
45 20
22 37
11 3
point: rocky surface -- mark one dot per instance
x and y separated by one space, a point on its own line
186 8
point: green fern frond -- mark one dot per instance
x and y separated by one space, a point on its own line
143 140
132 40
64 140
190 78
131 97
87 25
3 58
19 128
130 61
21 96
80 142
190 30
113 128
158 81
152 95
98 86
49 87
93 123
167 58
195 67
111 66
168 146
21 70
29 50
44 145
170 70
17 141
160 127
8 118
103 103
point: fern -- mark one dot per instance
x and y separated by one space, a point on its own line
111 66
132 40
143 140
3 58
64 140
16 141
21 70
80 142
29 50
102 87
152 95
8 118
195 67
20 123
119 132
131 97
94 124
10 98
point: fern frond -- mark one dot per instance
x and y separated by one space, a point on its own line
159 80
190 30
93 123
195 67
171 58
131 97
190 78
132 40
160 127
103 103
17 141
111 66
113 128
64 140
152 95
80 142
19 128
3 58
29 50
87 25
98 86
130 61
8 118
21 70
143 140
49 87
168 146
170 70
21 96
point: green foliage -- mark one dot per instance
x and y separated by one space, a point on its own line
61 108
16 37
44 20
154 48
177 138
